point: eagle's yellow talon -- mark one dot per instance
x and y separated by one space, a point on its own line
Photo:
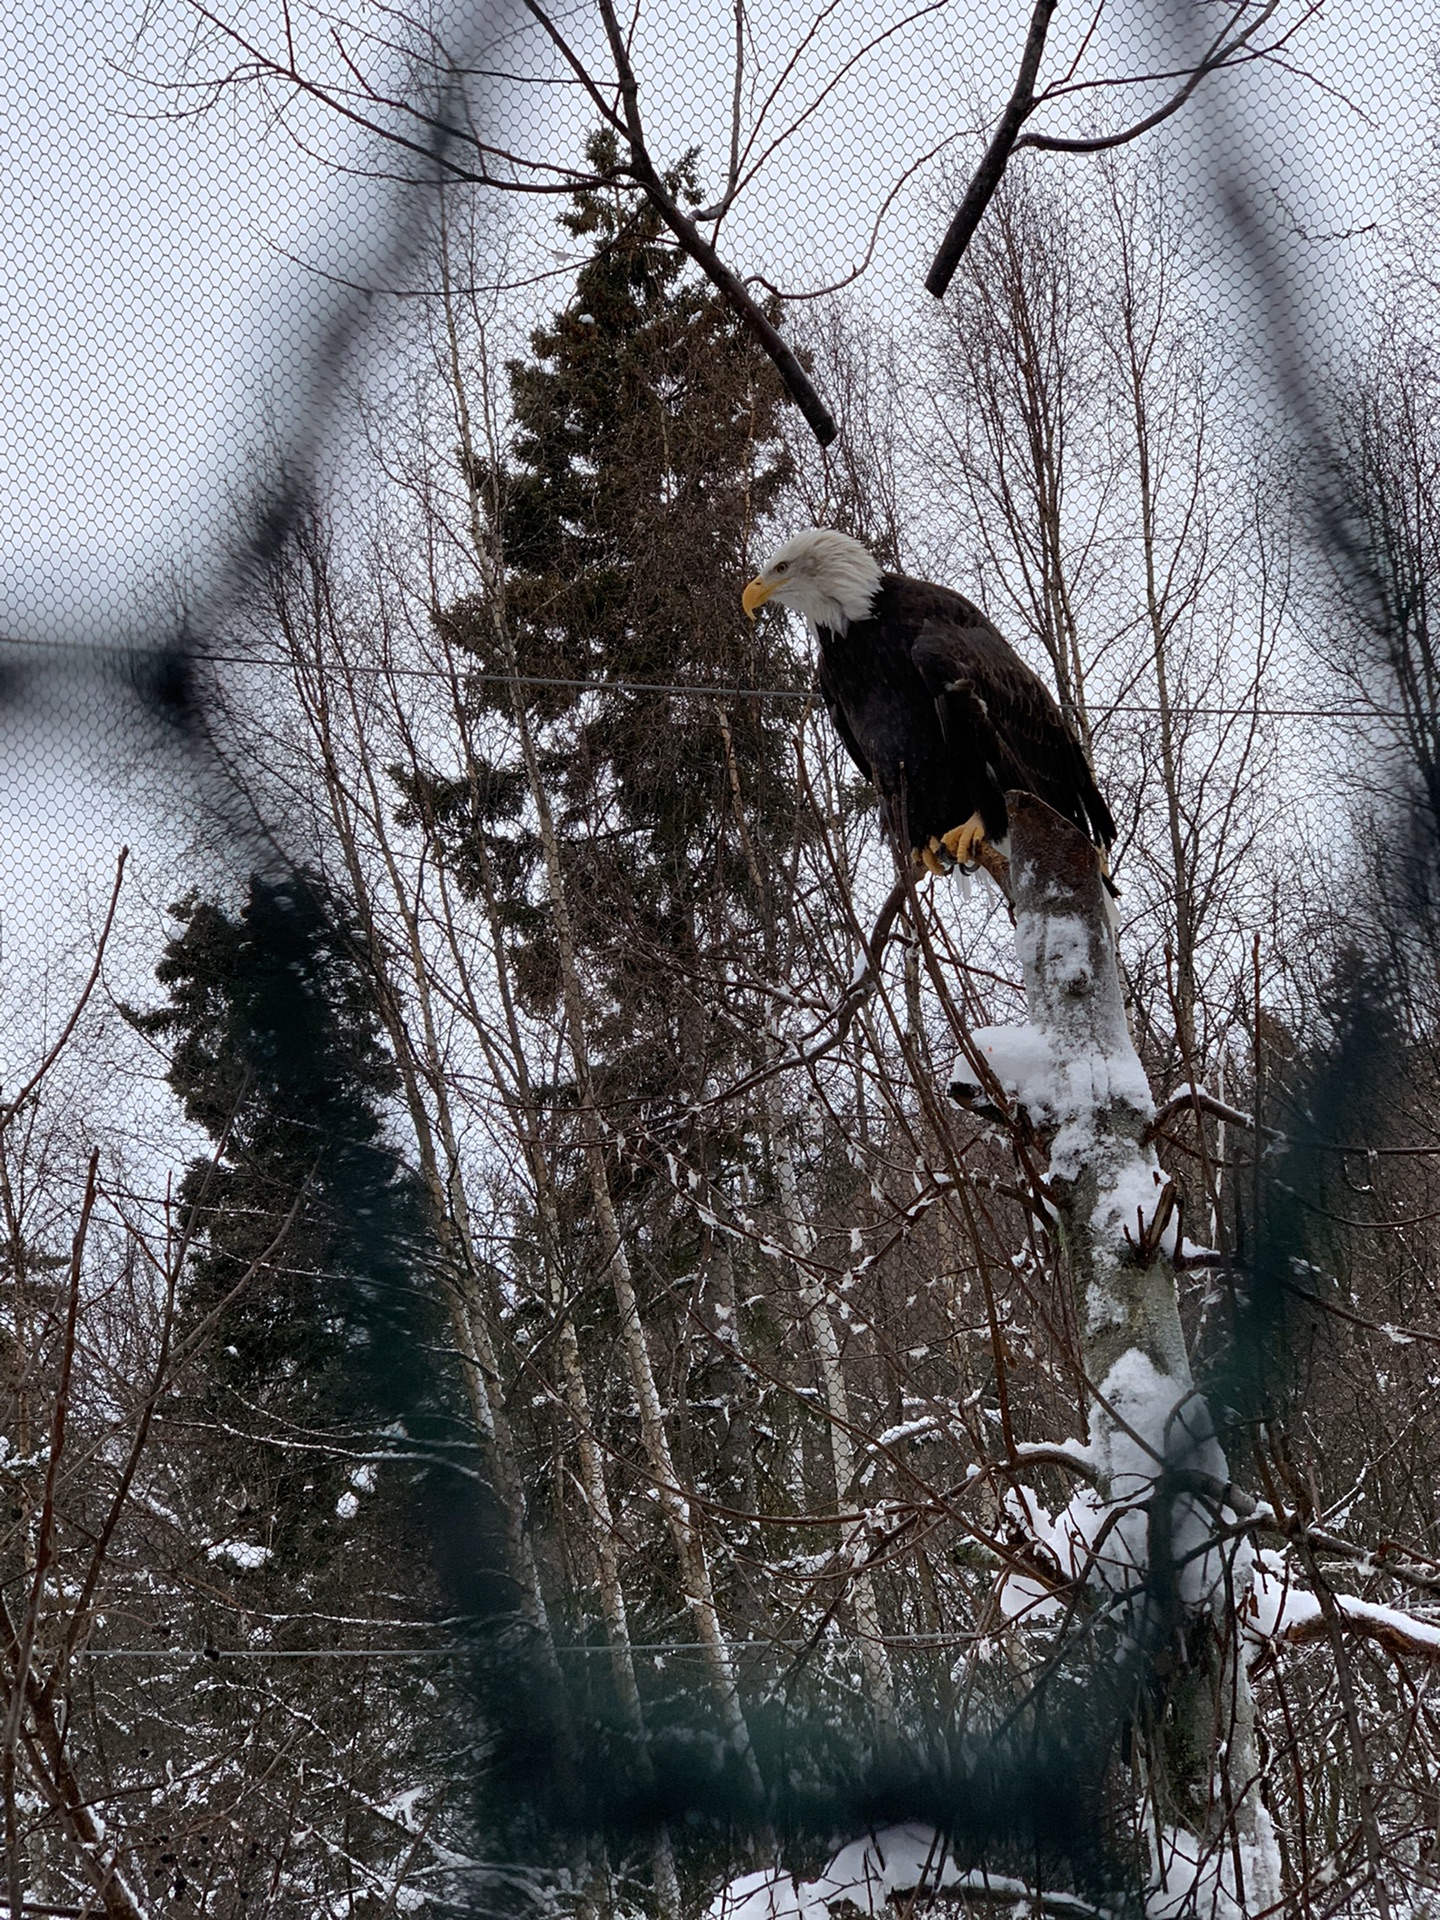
932 858
960 842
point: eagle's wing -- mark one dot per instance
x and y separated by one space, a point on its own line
984 692
842 726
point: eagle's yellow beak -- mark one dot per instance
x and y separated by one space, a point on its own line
756 594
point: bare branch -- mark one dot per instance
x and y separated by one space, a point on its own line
989 173
12 1107
1228 49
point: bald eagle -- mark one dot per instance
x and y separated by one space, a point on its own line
937 711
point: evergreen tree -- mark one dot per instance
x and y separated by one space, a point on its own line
305 1225
312 1448
643 465
644 460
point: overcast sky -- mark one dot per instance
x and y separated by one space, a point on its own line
163 290
171 286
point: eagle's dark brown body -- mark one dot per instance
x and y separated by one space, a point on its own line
942 716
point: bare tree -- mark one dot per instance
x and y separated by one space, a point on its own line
136 1769
1236 42
1020 415
434 99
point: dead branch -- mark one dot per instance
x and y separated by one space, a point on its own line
1395 1631
1228 48
1196 1100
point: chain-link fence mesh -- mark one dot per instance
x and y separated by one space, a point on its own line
189 280
240 244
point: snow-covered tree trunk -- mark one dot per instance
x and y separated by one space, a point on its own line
1154 1556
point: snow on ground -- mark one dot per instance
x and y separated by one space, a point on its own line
863 1875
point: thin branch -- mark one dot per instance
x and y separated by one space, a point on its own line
1196 1100
1227 49
643 171
8 1112
989 173
840 1022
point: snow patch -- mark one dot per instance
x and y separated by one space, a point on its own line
770 1895
1020 1059
1143 1403
1127 1206
1068 1540
240 1554
1422 1634
908 1430
362 1480
1155 1421
1065 1089
895 1860
1060 944
864 1875
1196 1879
404 1809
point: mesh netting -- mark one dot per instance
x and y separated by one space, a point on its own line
188 287
260 319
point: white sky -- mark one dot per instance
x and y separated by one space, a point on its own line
157 300
164 313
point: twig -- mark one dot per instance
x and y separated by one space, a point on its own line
12 1107
728 283
840 1022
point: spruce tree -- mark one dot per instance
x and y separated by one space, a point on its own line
314 1469
305 1227
644 460
643 468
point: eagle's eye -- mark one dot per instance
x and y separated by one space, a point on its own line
782 566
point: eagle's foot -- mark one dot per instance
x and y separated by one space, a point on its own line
933 859
963 843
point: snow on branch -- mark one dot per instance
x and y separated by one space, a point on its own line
1278 1610
1193 1099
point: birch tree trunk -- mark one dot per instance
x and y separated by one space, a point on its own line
874 1654
1156 1458
689 1547
674 1502
404 999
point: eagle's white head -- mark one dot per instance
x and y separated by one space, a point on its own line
826 576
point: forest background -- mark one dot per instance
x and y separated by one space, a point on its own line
472 1211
